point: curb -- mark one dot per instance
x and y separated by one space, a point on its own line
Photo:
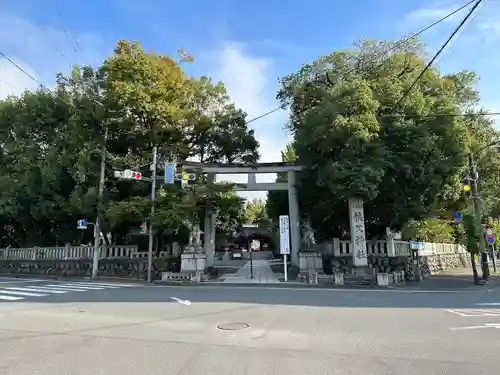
68 278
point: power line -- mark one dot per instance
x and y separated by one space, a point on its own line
394 47
20 68
67 33
457 29
264 115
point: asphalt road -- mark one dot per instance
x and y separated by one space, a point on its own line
134 329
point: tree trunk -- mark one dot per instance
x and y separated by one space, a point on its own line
474 268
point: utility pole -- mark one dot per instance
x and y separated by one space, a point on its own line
97 226
153 198
478 211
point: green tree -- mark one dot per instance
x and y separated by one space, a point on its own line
49 160
362 137
45 183
255 212
277 201
429 230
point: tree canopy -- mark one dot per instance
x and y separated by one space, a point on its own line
134 101
363 134
357 128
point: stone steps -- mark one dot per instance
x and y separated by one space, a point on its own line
359 280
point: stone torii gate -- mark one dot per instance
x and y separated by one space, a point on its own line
251 170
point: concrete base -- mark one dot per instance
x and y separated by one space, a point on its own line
310 262
338 278
383 279
193 262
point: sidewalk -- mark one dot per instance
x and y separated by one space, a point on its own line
262 274
456 279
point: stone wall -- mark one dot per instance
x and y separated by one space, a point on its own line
124 268
429 265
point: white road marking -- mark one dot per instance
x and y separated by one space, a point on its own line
471 313
183 301
488 304
107 285
92 285
10 298
39 289
18 293
72 287
487 325
17 281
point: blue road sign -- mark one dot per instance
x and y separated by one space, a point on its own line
491 239
417 245
170 173
82 224
458 216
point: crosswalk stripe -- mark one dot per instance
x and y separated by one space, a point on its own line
106 285
92 287
69 287
89 285
39 289
18 293
10 298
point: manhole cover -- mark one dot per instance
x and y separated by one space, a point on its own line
232 326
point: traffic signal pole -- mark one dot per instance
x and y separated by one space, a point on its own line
478 211
153 198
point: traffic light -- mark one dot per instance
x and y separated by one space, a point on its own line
132 175
185 178
144 228
466 187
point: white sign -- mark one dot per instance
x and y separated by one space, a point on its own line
358 237
127 173
489 232
284 234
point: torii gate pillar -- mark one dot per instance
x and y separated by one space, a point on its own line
252 185
293 208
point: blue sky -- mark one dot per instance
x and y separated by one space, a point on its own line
248 45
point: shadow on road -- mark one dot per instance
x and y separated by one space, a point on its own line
480 297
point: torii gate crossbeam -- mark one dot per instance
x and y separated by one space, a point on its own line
252 170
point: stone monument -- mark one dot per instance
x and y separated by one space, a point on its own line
193 259
358 236
310 260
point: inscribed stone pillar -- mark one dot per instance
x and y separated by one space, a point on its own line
210 221
358 236
293 205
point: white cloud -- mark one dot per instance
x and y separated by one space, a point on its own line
248 81
13 81
430 14
43 49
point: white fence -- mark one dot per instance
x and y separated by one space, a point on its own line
392 248
68 252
